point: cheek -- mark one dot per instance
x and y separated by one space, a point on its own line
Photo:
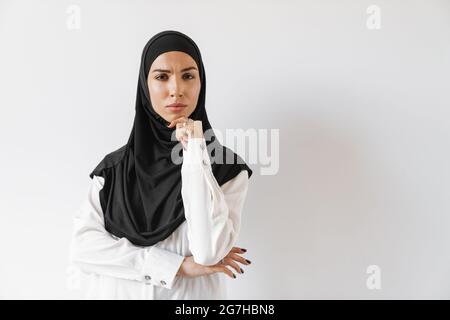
157 93
195 91
156 88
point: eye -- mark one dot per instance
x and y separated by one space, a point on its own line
160 76
190 75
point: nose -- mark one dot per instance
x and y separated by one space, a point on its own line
176 89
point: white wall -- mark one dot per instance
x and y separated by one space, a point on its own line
364 126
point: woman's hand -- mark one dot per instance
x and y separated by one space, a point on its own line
187 128
191 269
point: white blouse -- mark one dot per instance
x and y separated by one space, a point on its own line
117 269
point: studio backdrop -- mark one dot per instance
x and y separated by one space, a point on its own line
343 107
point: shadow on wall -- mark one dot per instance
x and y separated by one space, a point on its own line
310 224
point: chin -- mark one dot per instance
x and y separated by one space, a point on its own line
172 117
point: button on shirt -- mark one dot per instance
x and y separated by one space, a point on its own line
114 268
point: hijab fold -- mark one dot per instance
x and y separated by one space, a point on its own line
141 197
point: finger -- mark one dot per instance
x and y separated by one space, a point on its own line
180 133
179 125
197 130
227 272
182 122
221 268
187 126
233 264
178 120
238 258
238 250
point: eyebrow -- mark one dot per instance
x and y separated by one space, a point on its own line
168 71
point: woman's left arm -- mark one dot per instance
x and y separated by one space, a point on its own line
213 212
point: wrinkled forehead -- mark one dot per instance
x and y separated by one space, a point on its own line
173 60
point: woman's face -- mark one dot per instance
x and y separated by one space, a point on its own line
174 78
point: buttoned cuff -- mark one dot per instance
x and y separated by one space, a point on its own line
196 156
161 267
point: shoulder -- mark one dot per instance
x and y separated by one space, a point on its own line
114 157
98 182
109 161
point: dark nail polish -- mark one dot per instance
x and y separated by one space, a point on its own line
245 250
248 261
242 270
234 276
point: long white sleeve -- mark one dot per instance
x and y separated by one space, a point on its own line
213 212
95 250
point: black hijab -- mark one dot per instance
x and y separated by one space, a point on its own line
141 197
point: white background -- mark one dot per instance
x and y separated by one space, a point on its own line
364 126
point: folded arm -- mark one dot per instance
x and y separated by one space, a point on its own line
95 250
213 212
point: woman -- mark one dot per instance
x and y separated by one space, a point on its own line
154 227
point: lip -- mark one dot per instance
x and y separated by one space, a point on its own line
176 107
